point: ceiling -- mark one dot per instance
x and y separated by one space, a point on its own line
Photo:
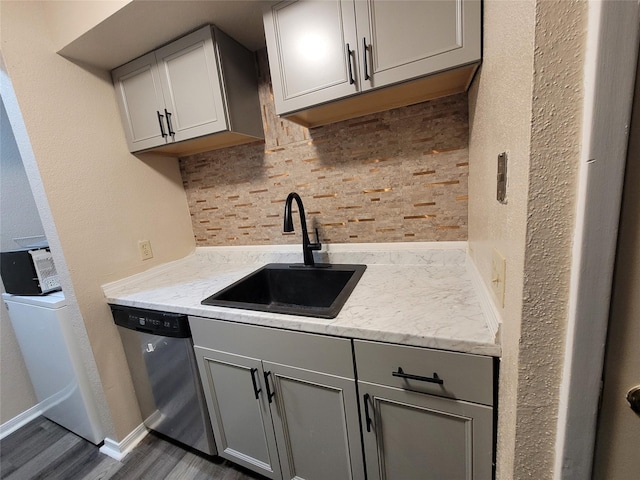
142 26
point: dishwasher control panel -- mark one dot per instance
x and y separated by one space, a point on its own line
151 321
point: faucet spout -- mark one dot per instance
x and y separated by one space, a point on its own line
307 246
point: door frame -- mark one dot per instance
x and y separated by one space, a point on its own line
611 46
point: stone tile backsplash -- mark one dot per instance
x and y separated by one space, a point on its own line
394 176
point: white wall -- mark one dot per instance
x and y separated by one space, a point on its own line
70 19
96 200
16 392
18 213
18 218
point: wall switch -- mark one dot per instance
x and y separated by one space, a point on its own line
144 247
498 276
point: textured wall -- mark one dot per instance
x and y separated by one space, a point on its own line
556 135
500 120
395 176
527 101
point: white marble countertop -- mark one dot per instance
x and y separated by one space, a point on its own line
414 294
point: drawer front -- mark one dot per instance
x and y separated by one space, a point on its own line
448 374
304 350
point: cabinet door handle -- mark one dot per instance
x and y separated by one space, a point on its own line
256 390
270 394
408 376
367 417
351 80
168 114
366 65
160 117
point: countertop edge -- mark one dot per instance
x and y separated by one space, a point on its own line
488 345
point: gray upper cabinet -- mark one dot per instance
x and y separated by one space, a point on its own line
196 93
402 40
140 99
312 47
322 51
190 86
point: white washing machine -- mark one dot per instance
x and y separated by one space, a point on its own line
42 325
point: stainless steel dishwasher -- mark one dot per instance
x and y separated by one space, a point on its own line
165 376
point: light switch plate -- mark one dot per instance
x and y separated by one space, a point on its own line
498 276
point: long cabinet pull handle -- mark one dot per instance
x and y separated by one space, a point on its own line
160 117
270 394
408 376
256 390
366 65
168 114
351 79
366 411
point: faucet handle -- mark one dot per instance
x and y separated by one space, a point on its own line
317 245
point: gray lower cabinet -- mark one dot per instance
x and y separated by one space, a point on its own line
285 404
282 403
240 417
426 414
413 436
315 419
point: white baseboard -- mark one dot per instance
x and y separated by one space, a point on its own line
21 420
120 450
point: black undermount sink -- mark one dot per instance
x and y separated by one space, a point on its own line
295 289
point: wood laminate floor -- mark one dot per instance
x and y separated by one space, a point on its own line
44 450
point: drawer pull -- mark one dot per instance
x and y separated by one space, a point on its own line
408 376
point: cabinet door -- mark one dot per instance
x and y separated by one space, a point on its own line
313 52
139 96
407 39
190 82
241 422
316 423
412 436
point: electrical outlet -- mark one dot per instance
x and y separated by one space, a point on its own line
144 247
498 276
